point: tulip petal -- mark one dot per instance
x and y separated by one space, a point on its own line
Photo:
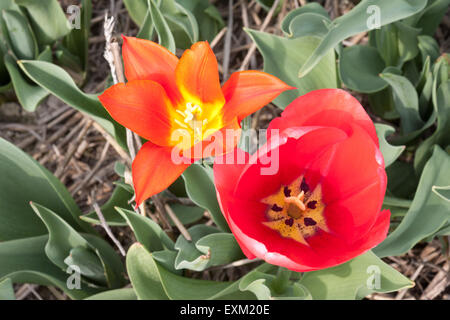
248 91
147 60
326 107
154 170
197 78
143 107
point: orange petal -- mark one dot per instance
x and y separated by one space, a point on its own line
248 91
154 171
143 107
197 76
147 60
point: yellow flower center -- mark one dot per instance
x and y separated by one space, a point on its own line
295 211
192 119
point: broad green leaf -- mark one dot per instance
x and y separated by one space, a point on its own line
407 42
118 294
46 55
137 9
189 256
428 47
167 259
24 180
186 214
6 290
207 16
402 180
309 24
165 35
29 95
19 35
200 189
57 81
63 239
442 134
221 248
311 7
443 192
47 19
151 281
294 53
397 206
147 28
146 231
119 198
89 264
77 41
24 261
354 279
361 18
262 286
382 104
428 212
432 16
359 75
390 152
406 101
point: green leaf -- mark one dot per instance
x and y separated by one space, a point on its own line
294 53
359 75
418 223
151 281
77 41
146 231
58 82
311 7
6 290
28 94
382 104
432 16
165 36
357 21
47 19
189 256
443 192
309 24
24 261
19 35
390 152
207 16
354 279
118 294
89 264
402 180
137 10
63 240
24 180
221 248
119 198
200 189
441 136
186 214
406 101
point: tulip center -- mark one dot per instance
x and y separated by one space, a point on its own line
192 119
295 211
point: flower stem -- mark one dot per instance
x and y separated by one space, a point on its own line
281 282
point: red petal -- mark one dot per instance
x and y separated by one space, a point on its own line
154 170
147 60
355 164
143 107
248 91
326 107
197 77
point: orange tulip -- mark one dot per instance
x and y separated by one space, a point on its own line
179 106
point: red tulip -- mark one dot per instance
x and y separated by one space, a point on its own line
322 206
166 96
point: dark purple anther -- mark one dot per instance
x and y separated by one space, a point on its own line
312 204
276 208
289 222
309 222
304 186
287 192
